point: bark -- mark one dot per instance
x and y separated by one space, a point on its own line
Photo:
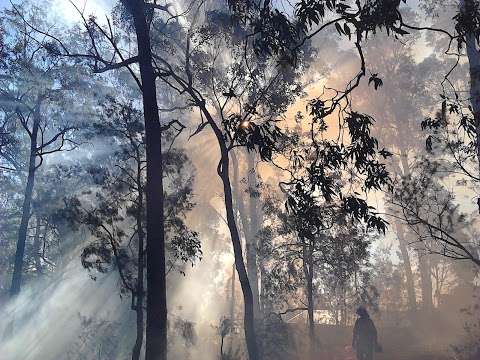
265 307
37 246
426 282
250 225
232 304
156 314
344 306
26 206
249 322
232 296
411 296
139 293
239 203
424 267
308 273
252 261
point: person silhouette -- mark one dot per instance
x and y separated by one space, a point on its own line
364 335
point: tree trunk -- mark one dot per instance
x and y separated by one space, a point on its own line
308 273
250 223
426 282
27 201
344 305
37 246
251 243
223 171
232 296
137 348
411 296
156 329
239 204
232 306
249 321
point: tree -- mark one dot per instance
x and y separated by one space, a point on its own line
34 89
179 73
238 97
104 53
461 141
406 92
323 248
118 213
429 209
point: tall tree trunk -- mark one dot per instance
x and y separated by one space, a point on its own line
403 245
250 223
224 173
37 246
426 282
425 277
232 296
156 329
139 292
264 306
239 203
232 305
411 296
26 206
249 322
251 243
344 305
308 273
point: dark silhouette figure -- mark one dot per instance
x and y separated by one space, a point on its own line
364 336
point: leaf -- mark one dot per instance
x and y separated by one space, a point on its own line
377 82
346 30
339 28
385 153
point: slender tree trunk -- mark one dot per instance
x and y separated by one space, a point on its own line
264 307
252 244
426 282
411 296
232 305
37 246
27 201
224 173
308 273
250 224
232 296
156 329
137 348
249 322
344 305
239 203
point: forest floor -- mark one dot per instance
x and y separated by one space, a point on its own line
390 354
397 344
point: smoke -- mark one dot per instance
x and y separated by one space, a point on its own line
47 317
70 316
